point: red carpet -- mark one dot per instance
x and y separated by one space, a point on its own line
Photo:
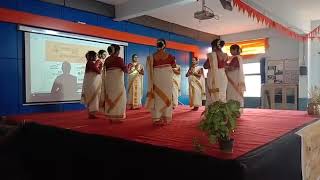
256 127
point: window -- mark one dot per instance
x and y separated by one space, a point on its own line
205 72
249 47
252 77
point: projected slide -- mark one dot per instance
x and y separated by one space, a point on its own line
55 66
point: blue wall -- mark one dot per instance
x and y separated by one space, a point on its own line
252 102
303 104
12 53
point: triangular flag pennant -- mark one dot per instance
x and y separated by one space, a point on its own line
263 19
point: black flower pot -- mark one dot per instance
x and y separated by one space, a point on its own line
226 145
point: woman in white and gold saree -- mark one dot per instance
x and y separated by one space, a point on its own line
113 90
91 88
160 75
235 76
196 87
135 83
216 78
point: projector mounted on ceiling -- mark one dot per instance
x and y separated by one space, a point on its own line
205 13
226 4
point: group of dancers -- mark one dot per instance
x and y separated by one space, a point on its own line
104 86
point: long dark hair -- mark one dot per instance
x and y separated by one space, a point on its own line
195 57
133 55
100 53
110 50
161 43
116 47
235 47
91 55
217 43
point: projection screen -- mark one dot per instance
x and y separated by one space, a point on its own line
55 64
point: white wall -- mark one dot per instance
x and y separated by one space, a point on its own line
281 46
303 61
314 59
295 14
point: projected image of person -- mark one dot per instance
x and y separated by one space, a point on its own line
65 85
135 83
113 90
91 88
160 76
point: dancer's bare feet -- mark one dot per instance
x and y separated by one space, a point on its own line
195 109
116 121
158 123
92 116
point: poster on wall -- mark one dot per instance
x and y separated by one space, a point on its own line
275 71
282 71
291 75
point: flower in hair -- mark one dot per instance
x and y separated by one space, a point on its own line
219 44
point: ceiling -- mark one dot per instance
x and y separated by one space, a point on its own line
113 2
310 9
295 14
228 23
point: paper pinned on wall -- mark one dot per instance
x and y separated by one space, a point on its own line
283 71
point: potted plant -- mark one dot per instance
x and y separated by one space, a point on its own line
314 104
219 123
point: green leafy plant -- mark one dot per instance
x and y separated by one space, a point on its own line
314 104
220 120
